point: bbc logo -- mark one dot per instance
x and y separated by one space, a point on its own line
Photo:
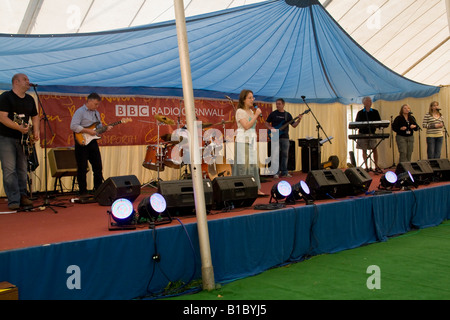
132 111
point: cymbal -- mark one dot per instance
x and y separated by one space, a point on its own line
164 119
206 124
223 122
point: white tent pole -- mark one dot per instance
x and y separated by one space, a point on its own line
199 195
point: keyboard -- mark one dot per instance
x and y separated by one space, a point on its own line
369 124
369 136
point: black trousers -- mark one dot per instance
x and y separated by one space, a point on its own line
90 153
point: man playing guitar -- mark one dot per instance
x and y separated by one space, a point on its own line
278 119
82 122
12 153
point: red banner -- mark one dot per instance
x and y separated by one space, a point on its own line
143 113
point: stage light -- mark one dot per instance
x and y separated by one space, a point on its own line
301 191
153 208
122 212
405 180
280 191
388 180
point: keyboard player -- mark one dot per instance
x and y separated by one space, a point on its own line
368 114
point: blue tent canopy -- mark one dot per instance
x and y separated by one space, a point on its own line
278 48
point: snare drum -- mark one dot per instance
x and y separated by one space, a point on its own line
173 156
153 157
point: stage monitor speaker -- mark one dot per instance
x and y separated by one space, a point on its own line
420 171
234 191
328 184
440 167
114 188
62 162
359 179
179 196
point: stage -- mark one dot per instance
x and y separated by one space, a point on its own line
71 254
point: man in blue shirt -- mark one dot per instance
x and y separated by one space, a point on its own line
368 114
84 122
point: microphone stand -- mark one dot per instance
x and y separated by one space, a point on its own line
46 123
420 129
391 141
318 134
445 139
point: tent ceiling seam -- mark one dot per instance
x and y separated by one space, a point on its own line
85 16
426 56
137 13
318 50
30 16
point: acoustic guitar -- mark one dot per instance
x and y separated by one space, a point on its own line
84 138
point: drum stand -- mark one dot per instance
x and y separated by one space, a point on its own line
154 183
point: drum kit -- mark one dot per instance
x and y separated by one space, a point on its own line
168 152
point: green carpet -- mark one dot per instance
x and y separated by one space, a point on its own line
413 266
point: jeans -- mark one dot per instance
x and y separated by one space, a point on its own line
405 147
284 156
434 146
90 153
14 167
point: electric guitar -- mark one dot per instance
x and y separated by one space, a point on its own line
84 138
283 126
27 140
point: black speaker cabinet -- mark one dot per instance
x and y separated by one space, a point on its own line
421 171
440 167
234 191
291 157
62 162
114 188
359 179
310 154
328 184
179 196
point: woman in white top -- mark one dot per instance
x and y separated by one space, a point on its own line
246 155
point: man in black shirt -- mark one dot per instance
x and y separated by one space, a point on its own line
12 153
277 118
368 114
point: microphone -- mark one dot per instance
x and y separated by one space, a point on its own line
33 84
303 97
438 109
256 107
410 112
228 98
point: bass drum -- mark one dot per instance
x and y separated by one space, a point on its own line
173 156
154 157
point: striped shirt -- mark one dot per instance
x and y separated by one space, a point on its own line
429 122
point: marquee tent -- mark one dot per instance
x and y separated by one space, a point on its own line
277 48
